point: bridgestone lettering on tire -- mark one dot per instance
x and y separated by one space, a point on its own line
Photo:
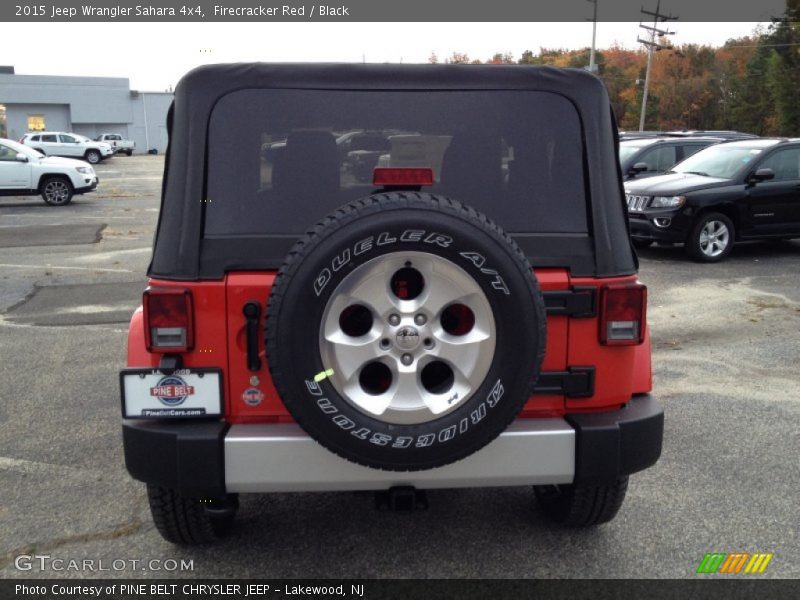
405 331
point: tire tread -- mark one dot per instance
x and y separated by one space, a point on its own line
582 506
179 519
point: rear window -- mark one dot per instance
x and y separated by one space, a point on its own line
280 160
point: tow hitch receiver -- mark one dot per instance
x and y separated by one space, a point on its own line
401 499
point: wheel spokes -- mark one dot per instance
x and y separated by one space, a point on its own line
374 292
409 336
352 353
461 353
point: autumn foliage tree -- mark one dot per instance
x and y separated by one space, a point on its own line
750 84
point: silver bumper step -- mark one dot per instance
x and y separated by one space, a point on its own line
283 458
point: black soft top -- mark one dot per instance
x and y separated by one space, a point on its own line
180 251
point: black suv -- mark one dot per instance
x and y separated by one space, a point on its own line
741 190
646 157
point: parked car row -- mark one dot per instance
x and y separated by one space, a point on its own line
727 192
117 142
57 143
646 157
705 191
73 145
51 164
725 134
25 171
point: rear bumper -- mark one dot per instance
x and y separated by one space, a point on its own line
212 458
279 458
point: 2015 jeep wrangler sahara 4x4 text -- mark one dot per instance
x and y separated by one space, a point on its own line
468 316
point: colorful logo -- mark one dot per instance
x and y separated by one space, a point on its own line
252 396
172 390
735 563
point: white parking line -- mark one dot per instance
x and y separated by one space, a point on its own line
9 266
90 309
102 256
30 467
28 216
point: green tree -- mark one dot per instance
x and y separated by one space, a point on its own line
751 105
783 71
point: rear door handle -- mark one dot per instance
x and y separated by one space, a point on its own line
252 315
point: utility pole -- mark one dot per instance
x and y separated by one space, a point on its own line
652 46
592 67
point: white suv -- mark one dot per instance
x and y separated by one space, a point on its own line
57 143
25 172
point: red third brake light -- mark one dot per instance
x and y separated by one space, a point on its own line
168 322
622 314
402 176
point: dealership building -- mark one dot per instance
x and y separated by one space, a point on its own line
85 105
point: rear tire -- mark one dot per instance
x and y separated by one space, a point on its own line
57 191
190 521
93 157
128 152
581 505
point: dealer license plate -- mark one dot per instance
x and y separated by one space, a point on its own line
150 394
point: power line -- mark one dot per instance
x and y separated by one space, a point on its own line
652 46
758 45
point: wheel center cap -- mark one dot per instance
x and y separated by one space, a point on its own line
407 338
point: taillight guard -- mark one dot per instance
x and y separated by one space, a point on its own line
623 310
168 320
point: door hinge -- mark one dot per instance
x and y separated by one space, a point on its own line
578 302
575 382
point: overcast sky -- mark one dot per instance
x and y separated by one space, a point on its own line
155 55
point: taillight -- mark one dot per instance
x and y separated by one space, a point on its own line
622 314
402 176
168 320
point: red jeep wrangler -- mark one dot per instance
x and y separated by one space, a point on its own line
469 315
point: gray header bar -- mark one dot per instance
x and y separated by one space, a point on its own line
384 10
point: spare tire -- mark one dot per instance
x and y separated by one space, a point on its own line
405 331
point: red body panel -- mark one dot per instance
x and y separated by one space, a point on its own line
642 366
220 341
243 288
614 365
210 322
555 356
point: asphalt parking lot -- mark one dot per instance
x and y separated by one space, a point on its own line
726 367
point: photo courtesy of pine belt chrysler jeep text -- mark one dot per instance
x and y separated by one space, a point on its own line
453 304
